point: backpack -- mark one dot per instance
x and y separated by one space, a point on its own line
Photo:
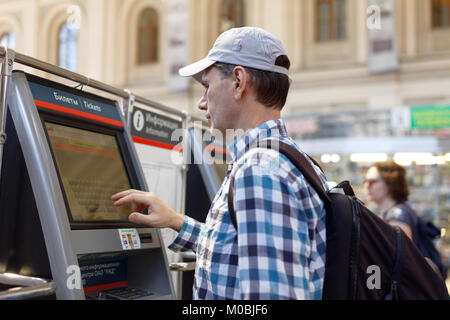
366 258
426 232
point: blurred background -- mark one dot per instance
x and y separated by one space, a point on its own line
371 78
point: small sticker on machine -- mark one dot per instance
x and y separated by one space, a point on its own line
129 238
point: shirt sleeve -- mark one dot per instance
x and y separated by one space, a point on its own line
273 243
187 238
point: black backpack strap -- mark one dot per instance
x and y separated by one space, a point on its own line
298 159
355 245
230 202
397 271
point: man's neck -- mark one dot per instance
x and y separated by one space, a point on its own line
255 115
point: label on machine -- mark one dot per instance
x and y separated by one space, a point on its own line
129 239
105 274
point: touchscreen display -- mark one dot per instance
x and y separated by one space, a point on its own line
92 170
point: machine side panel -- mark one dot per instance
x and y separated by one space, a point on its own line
45 184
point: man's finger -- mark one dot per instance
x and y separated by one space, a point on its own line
140 218
124 193
138 198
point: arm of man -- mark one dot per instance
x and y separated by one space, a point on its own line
160 215
273 242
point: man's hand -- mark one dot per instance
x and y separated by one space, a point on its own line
159 215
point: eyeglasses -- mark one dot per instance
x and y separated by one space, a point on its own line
371 182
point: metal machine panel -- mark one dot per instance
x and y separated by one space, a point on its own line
45 184
70 243
108 240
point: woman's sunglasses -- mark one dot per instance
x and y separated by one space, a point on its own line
371 182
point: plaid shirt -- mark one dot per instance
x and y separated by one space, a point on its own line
278 251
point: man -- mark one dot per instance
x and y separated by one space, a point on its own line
278 248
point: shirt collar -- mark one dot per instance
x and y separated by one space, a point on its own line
270 129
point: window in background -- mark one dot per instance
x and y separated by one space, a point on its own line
147 37
331 20
68 46
232 14
440 13
8 40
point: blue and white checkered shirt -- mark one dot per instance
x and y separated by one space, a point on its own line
278 251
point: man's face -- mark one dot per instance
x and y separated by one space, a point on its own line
217 100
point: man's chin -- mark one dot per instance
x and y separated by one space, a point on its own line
216 133
211 125
212 128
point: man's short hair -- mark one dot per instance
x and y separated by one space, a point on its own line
271 87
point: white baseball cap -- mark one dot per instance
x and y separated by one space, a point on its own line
247 46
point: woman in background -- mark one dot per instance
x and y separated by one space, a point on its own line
387 187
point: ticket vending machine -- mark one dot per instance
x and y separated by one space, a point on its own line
67 151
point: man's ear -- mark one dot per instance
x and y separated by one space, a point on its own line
240 82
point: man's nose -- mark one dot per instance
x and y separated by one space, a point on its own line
202 103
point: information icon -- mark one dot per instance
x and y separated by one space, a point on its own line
138 120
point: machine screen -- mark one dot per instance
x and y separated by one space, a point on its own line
91 169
